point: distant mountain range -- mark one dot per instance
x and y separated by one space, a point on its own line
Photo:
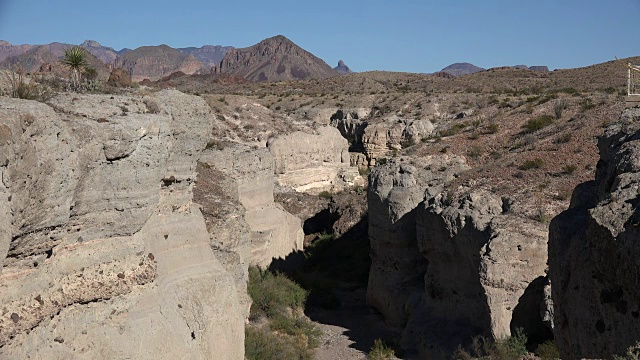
273 59
458 69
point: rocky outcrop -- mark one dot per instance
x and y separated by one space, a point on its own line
447 268
119 78
313 162
247 177
593 252
104 253
395 191
342 68
380 138
274 59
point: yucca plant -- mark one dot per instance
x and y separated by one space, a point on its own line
75 58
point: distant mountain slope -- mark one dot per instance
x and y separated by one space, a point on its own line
155 62
104 53
458 69
275 59
342 68
209 55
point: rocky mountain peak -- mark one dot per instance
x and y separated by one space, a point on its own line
342 68
90 43
4 43
274 59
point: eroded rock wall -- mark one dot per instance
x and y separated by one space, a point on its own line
248 178
594 253
317 162
448 266
107 256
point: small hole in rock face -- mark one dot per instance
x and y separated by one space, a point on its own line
49 253
519 247
193 335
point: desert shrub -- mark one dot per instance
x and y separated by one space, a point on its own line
564 138
509 348
28 89
548 350
537 123
454 129
531 164
475 152
586 104
542 216
273 293
569 169
260 344
380 351
558 108
633 353
493 128
152 106
512 347
297 326
325 195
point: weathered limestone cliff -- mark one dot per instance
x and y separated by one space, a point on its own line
447 267
104 253
594 254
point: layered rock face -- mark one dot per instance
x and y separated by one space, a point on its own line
104 254
248 178
377 137
594 254
313 162
446 269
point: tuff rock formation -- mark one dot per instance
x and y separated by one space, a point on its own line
446 268
246 176
104 254
594 253
313 162
378 137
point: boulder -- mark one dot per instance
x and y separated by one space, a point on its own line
119 78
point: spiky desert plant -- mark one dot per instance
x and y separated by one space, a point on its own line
75 58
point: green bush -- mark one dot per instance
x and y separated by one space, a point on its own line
273 293
512 347
325 195
537 123
380 351
531 164
509 348
569 169
260 344
548 350
297 326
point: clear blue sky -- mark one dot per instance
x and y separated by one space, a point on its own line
403 35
